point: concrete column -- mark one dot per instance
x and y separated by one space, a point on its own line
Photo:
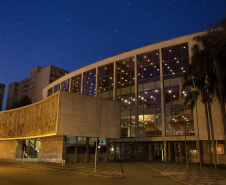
165 151
69 85
176 152
76 149
64 147
115 83
87 150
96 86
162 94
82 83
169 151
107 150
136 97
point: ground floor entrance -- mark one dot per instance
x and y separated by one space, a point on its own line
28 148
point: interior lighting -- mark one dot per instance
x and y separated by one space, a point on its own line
151 63
184 47
170 50
144 56
173 73
182 68
157 53
175 58
170 91
165 64
144 69
174 96
157 69
156 90
148 60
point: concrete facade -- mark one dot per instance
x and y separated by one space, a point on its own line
85 116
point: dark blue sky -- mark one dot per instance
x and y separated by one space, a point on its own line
74 33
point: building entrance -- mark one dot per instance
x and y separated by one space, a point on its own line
135 151
28 147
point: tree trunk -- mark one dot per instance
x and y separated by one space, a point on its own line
208 126
212 133
221 97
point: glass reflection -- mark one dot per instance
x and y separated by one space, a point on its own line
178 118
105 83
90 82
76 84
149 94
126 95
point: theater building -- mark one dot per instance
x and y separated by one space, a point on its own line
142 111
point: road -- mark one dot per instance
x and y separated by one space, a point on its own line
135 174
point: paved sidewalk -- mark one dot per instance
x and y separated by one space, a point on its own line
193 175
104 170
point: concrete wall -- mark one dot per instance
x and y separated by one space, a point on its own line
217 121
52 149
8 149
86 116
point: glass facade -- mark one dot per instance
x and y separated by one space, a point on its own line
89 83
106 81
149 94
76 84
178 118
154 95
125 90
65 85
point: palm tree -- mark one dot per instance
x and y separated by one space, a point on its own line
198 71
213 43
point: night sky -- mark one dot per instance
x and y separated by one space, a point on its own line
71 34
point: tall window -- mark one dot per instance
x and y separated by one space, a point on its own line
76 84
149 94
178 118
126 95
90 82
65 85
106 77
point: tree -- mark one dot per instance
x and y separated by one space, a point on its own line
22 102
208 62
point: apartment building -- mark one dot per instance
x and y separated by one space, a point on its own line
32 87
2 90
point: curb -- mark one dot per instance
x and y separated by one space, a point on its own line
173 178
